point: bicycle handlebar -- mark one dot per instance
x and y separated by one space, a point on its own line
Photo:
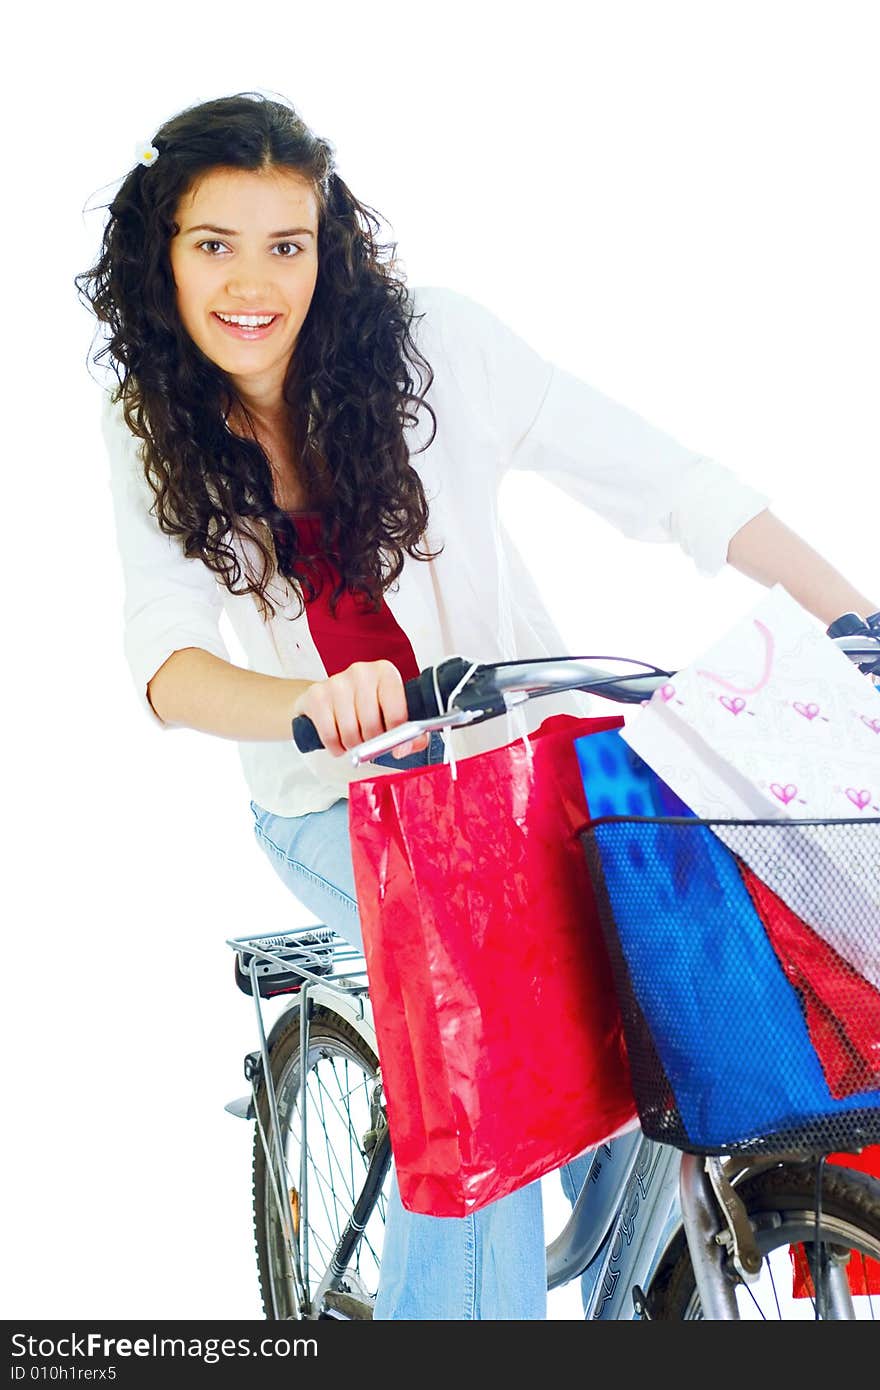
489 691
492 689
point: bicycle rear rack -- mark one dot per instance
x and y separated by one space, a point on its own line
274 963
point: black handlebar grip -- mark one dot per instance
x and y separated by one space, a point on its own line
421 702
305 735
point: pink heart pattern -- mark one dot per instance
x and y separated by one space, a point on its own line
735 705
808 711
667 691
873 724
784 794
860 798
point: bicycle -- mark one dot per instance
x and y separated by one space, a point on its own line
655 1232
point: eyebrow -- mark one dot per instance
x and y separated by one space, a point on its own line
227 231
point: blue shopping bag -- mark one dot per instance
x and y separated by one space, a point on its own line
725 1040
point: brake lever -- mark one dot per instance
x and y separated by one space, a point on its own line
392 738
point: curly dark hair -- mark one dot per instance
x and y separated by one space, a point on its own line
348 399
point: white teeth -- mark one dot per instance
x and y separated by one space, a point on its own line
247 321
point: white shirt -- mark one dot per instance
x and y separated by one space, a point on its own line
499 405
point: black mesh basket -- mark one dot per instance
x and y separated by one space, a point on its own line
746 956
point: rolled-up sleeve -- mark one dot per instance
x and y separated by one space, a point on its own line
602 453
170 602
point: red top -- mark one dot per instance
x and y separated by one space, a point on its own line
355 633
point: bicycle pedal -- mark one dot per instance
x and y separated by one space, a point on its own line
344 1305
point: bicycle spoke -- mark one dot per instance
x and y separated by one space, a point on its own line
326 1246
320 1086
325 1185
777 1266
343 1120
332 1159
751 1295
321 1089
322 1182
350 1147
317 1174
325 1182
345 1095
773 1287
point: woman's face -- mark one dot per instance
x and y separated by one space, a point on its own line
247 244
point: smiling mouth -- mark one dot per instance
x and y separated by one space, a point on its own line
244 331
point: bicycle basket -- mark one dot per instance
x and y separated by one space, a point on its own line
749 1028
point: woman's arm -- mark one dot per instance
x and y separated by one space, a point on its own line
612 460
194 689
605 455
766 550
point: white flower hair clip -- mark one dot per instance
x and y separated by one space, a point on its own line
147 153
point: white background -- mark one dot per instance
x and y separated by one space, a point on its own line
676 201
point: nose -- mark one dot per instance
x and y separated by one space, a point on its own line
252 295
250 285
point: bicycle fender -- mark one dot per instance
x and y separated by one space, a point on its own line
347 1007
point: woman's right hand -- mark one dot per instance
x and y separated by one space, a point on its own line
356 704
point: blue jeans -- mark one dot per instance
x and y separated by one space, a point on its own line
492 1263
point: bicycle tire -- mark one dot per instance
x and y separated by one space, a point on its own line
335 1047
781 1206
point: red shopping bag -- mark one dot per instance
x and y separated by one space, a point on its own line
499 1034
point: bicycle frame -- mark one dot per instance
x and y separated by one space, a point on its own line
620 1225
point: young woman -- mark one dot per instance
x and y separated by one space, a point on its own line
273 454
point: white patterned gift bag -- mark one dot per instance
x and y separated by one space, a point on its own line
774 721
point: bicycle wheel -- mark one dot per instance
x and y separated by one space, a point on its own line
781 1206
340 1086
